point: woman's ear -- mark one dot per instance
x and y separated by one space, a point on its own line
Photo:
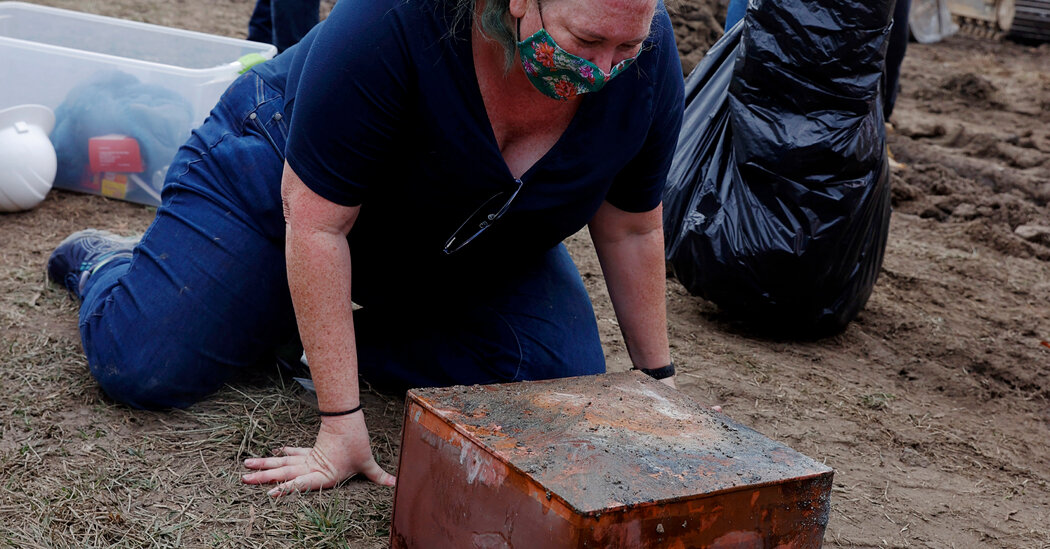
517 8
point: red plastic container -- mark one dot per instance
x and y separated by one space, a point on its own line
617 460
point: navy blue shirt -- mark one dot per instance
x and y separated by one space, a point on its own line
386 113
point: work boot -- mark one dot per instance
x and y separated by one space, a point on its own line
82 253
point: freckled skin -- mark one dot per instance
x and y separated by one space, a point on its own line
630 248
526 124
319 279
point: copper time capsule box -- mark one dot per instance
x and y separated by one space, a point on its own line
615 460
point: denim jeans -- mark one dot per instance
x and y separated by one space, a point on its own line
204 298
735 12
895 56
282 22
898 44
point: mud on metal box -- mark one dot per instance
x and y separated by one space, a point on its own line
616 460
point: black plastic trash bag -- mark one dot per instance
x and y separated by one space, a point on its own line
777 204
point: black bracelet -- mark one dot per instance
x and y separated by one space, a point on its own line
346 413
658 373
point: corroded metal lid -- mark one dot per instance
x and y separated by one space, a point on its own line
615 440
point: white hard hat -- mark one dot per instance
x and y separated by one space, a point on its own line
27 158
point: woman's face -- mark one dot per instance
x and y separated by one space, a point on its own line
603 32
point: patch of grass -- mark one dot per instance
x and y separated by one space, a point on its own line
82 471
876 401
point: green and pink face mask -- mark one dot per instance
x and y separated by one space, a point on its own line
557 73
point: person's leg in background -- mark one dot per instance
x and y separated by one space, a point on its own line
895 56
292 19
260 26
735 12
283 22
204 299
538 326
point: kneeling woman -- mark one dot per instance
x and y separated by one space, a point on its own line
438 150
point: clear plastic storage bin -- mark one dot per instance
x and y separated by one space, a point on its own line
109 78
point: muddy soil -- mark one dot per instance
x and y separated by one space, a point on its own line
933 407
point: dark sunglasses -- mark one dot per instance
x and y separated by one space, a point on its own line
482 218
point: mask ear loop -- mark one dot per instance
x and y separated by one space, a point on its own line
539 8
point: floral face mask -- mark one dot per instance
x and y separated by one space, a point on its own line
557 73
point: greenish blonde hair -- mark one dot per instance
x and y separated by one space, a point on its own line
495 22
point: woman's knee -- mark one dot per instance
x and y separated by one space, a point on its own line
148 373
152 384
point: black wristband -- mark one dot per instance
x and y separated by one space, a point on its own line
658 373
345 413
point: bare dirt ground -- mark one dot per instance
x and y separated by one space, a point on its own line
932 407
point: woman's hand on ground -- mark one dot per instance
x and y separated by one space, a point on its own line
342 450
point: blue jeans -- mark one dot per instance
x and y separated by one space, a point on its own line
282 22
898 44
735 12
895 56
204 299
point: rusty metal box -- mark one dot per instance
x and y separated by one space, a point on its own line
616 460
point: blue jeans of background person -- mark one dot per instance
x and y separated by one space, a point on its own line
735 12
898 44
282 22
204 299
895 56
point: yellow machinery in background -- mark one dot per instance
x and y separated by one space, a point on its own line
1021 20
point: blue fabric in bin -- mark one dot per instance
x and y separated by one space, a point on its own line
115 102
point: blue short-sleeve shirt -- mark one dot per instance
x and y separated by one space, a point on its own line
386 113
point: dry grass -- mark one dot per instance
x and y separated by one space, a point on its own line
127 478
79 470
